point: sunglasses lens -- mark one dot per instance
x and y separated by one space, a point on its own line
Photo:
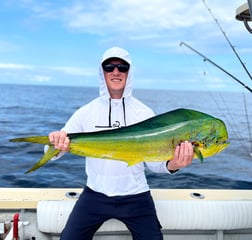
109 67
121 67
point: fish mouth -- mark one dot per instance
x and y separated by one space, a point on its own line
222 145
226 143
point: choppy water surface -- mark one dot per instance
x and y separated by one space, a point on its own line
37 110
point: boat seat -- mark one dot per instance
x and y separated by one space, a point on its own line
173 215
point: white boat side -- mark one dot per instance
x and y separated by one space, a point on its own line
185 213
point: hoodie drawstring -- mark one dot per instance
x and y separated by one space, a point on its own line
109 115
110 112
124 112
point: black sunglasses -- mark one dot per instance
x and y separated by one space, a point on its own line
121 67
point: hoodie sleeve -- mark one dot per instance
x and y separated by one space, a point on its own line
158 167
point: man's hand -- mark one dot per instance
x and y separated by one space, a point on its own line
60 140
183 156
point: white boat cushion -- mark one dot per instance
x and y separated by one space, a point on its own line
173 215
205 215
52 217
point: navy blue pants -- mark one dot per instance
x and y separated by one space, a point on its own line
92 209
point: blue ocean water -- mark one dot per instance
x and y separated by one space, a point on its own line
36 110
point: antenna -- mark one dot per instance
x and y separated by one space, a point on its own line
232 47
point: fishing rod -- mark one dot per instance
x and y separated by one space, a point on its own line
232 47
216 65
249 128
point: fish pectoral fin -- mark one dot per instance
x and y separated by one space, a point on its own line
51 152
198 153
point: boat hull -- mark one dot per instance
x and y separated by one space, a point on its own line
185 213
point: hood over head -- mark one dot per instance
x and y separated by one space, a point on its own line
115 52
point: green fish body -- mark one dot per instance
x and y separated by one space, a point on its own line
151 140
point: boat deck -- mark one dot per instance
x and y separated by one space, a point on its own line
28 198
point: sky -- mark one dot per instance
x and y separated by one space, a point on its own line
61 42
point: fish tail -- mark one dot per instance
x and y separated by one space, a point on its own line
51 152
35 139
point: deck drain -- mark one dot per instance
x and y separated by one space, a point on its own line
197 195
72 195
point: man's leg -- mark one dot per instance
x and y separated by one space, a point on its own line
138 213
144 227
84 219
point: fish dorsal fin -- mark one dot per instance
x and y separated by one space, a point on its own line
172 117
168 118
180 115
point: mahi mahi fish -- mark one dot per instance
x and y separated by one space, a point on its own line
151 140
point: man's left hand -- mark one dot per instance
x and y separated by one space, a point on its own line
183 156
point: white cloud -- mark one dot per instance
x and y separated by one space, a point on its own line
75 71
106 16
15 66
161 23
157 25
158 21
132 16
40 78
62 69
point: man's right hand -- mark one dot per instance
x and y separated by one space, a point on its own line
60 140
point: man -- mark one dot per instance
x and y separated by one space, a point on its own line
113 189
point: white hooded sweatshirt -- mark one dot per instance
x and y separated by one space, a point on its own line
113 177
